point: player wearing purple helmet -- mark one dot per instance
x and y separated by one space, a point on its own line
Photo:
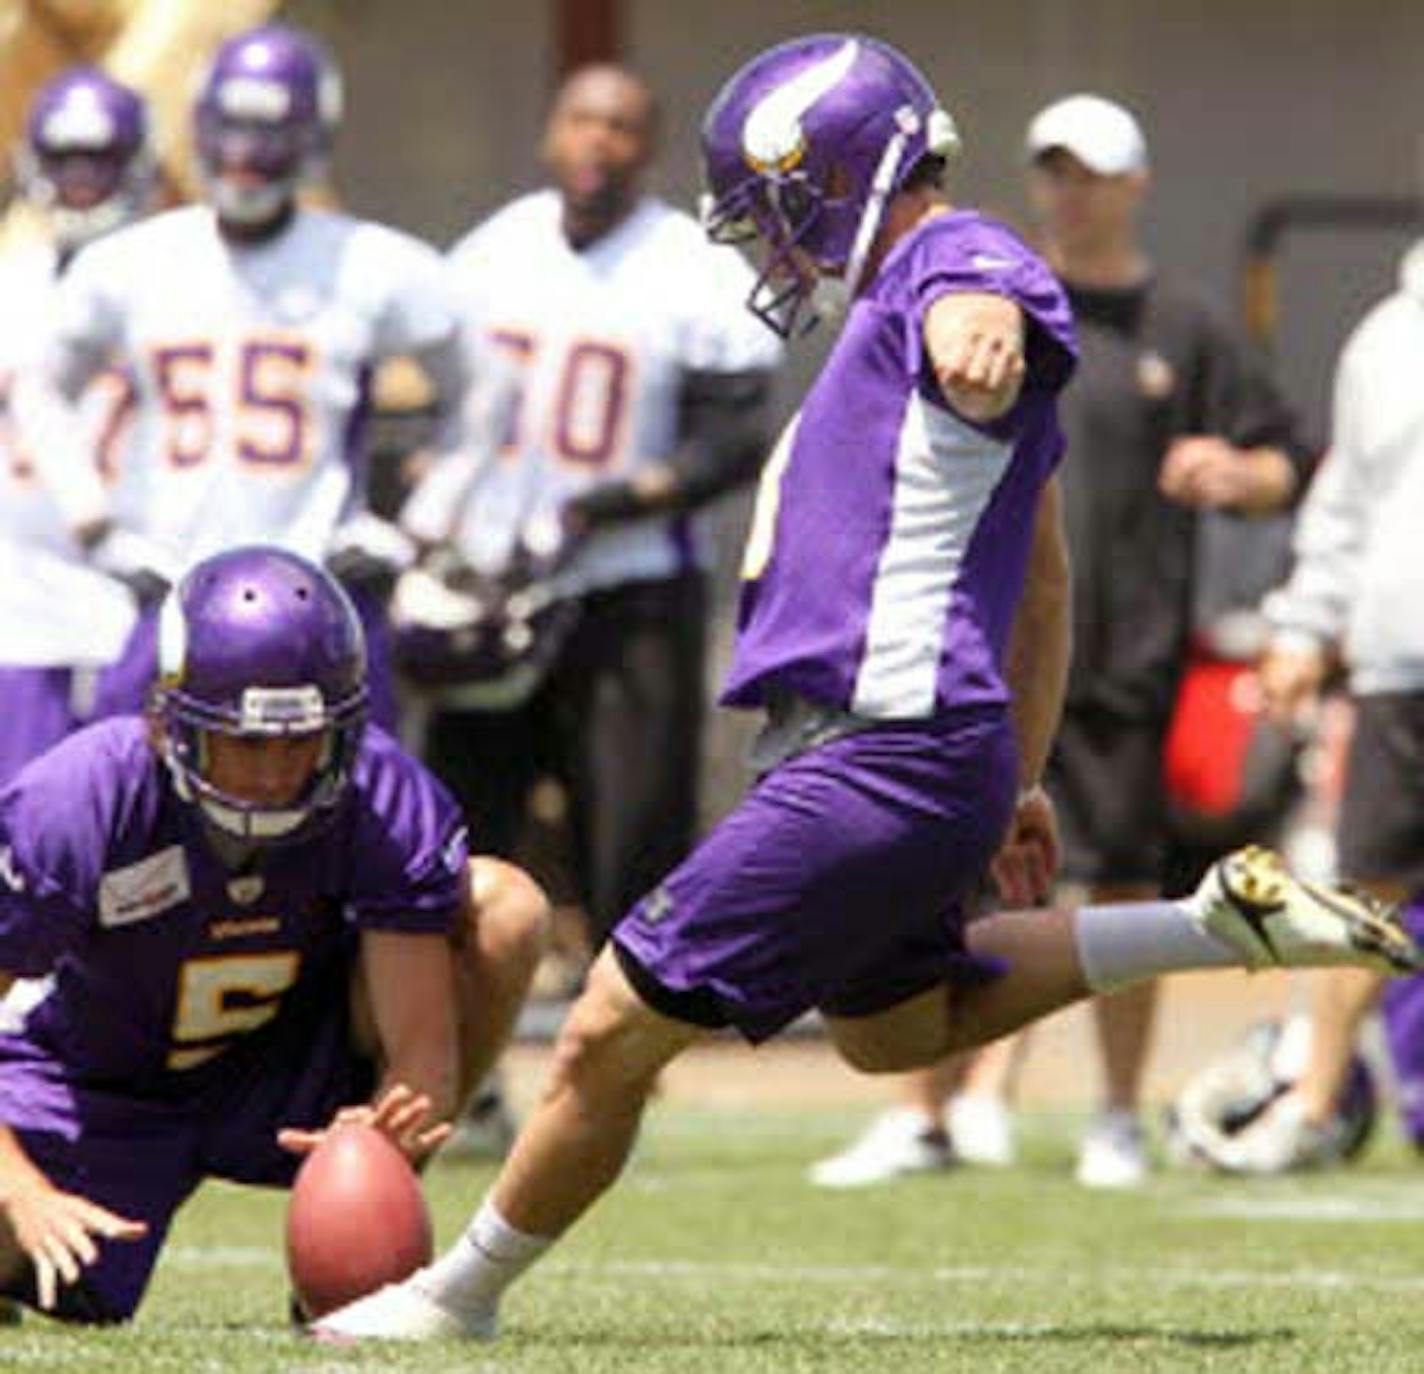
86 159
85 164
903 627
252 379
236 921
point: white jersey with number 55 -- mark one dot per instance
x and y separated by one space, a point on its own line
601 339
251 366
55 611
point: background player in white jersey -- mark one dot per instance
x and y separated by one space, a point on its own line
251 325
641 385
85 163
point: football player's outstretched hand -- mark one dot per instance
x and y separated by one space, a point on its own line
60 1233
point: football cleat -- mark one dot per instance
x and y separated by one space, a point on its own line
1251 901
401 1312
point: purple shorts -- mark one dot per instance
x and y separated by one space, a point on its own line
142 1154
38 714
1402 1011
837 883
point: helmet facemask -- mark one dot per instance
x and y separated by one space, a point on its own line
187 727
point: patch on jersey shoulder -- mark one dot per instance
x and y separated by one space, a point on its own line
456 851
139 891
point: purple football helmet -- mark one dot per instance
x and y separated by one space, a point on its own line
258 642
85 159
804 148
265 120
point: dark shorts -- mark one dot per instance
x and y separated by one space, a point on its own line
838 883
1105 778
1381 830
143 1155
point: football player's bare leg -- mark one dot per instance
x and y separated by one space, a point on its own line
504 925
573 1146
1044 973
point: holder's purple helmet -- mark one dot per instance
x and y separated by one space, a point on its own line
265 120
257 641
85 159
804 147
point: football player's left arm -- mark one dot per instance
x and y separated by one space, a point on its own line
410 979
722 429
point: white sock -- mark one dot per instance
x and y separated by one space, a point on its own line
471 1275
1128 941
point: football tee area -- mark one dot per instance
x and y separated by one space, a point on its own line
716 1255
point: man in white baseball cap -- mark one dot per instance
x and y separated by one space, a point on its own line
1104 136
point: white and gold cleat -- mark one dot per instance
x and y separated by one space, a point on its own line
1252 902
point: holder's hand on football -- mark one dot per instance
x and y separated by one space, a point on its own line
58 1232
401 1114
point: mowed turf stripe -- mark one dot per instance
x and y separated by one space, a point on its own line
699 1271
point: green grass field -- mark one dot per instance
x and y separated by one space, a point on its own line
714 1255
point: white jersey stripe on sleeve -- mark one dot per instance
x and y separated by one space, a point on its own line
946 472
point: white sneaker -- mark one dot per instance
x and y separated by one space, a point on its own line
401 1312
1113 1153
981 1130
1250 900
895 1143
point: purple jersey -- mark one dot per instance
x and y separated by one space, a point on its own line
887 553
164 958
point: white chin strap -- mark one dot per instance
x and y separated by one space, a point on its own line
941 139
250 205
251 825
873 213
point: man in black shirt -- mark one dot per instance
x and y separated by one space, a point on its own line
1168 416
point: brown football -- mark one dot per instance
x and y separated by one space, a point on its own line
357 1219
